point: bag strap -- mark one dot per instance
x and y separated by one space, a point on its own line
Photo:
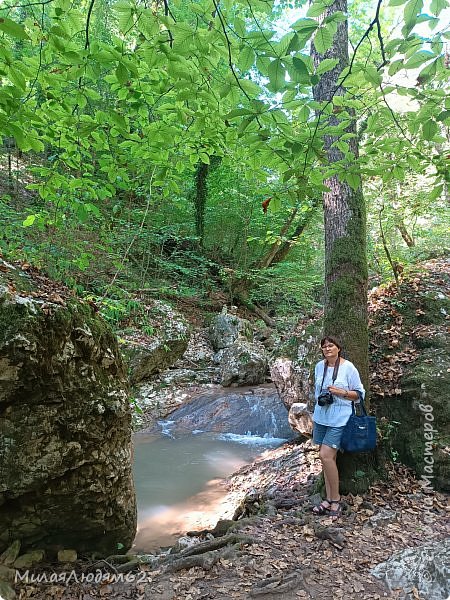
361 404
335 371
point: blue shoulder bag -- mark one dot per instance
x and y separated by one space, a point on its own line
360 433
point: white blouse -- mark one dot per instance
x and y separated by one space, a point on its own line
338 413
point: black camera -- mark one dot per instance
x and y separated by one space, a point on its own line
325 398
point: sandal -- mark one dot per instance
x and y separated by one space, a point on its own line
321 509
335 514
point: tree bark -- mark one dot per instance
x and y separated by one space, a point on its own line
200 199
407 237
278 252
345 303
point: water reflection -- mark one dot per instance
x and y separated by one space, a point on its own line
179 483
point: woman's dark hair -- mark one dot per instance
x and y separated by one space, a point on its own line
332 340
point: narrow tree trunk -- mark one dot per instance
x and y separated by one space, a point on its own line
200 199
278 252
345 249
407 237
386 248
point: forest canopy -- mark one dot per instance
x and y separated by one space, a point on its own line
178 146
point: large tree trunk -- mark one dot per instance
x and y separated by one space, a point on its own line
345 249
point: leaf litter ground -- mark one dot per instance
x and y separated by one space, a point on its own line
293 554
286 552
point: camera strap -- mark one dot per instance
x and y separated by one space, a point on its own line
335 371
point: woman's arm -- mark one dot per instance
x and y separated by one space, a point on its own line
350 395
355 389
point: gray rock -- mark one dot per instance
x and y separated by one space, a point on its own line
7 574
381 518
291 381
226 328
424 567
25 561
6 591
67 556
243 363
300 419
65 424
315 499
255 411
147 355
11 553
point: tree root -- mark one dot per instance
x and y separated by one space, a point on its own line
279 585
207 553
205 561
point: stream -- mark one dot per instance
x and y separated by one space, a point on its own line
179 470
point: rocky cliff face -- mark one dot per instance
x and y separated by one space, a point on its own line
410 374
65 432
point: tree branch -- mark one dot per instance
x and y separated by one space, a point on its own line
88 21
230 57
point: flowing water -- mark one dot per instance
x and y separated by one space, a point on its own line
179 480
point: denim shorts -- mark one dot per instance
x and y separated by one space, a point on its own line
328 436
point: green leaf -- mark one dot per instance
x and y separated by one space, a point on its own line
336 17
443 116
412 8
13 29
429 129
396 2
317 8
300 66
262 64
326 65
372 75
250 87
437 6
282 46
246 58
353 180
323 40
17 78
277 75
122 73
419 58
29 220
437 192
427 73
395 66
238 112
305 25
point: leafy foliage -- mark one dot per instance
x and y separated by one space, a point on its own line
114 105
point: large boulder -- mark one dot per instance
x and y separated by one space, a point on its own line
424 568
226 328
292 382
251 411
153 352
243 363
65 422
291 371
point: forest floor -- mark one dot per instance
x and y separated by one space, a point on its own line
285 553
276 549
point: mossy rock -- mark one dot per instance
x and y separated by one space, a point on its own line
65 422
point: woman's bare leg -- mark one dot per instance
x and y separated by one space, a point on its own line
330 472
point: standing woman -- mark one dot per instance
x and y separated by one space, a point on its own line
337 385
